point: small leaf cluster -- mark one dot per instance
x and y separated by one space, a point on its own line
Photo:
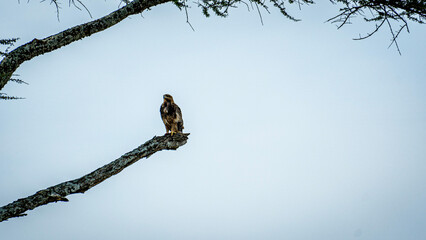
221 7
4 96
9 43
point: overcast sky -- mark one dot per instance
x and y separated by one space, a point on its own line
297 131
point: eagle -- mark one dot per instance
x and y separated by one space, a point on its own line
171 115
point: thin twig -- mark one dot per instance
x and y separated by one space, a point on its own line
187 17
260 15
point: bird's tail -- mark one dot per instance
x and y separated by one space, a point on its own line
180 126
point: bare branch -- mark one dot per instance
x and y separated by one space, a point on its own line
80 185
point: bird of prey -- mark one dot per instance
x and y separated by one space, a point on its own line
171 115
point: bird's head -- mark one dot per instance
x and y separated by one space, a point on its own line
168 98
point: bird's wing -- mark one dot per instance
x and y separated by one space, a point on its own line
162 110
178 114
179 119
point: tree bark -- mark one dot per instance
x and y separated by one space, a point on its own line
37 47
59 192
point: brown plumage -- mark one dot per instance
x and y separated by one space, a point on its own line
171 115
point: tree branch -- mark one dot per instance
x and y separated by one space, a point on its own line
37 47
59 192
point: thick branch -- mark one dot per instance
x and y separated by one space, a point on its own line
38 47
81 185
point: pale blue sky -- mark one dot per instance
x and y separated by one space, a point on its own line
297 131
